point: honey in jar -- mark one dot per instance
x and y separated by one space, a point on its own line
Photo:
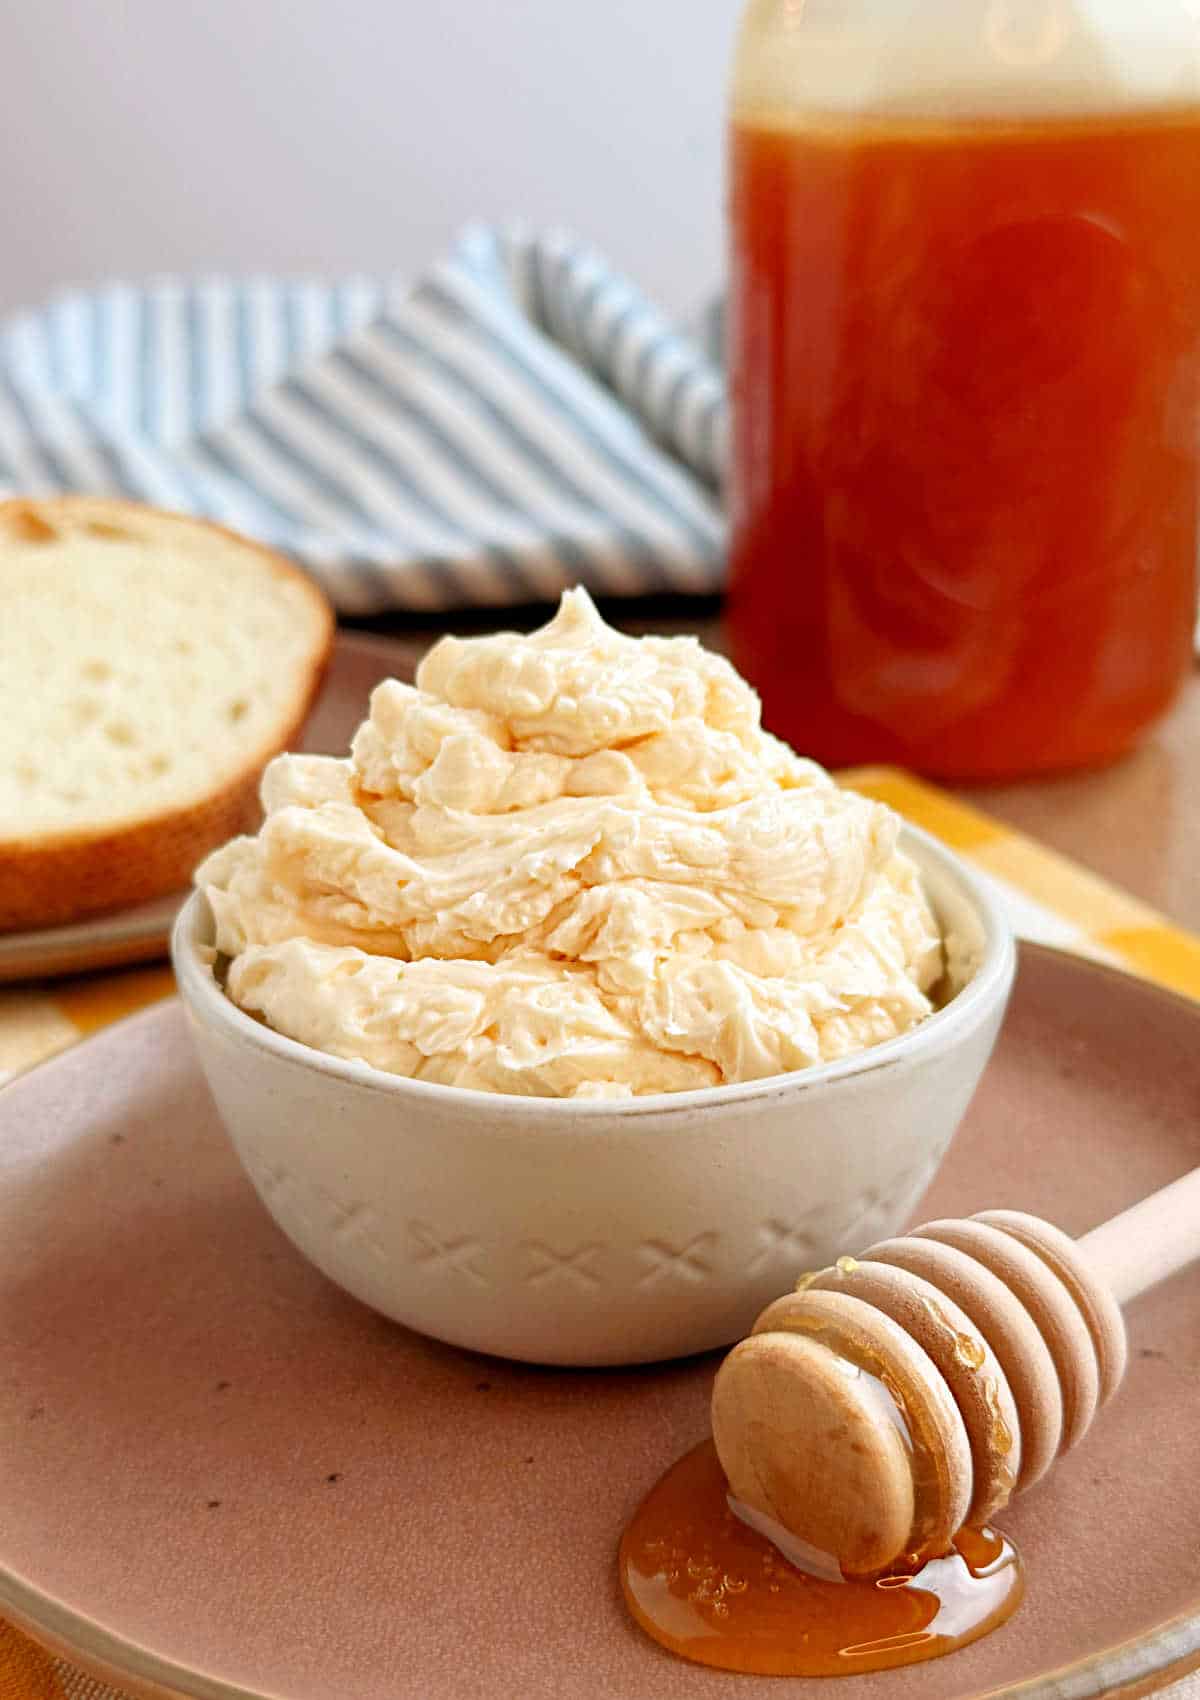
964 345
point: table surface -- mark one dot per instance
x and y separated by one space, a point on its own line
1136 823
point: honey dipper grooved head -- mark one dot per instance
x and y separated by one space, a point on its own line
786 1385
897 1397
1048 1302
1100 1311
801 1417
1009 1330
964 1360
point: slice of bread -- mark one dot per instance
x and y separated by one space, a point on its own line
150 666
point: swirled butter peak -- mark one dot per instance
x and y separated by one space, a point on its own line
572 864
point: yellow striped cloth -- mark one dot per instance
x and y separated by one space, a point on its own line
1050 899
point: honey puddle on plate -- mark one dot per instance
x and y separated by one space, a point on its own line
710 1588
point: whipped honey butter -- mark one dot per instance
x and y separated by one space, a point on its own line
572 864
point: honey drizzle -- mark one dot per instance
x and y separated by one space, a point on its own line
708 1587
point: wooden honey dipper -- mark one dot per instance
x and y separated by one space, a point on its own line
897 1397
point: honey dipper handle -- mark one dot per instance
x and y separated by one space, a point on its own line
1149 1241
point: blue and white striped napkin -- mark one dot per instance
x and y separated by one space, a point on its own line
521 420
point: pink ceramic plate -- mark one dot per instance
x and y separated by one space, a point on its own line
221 1477
141 934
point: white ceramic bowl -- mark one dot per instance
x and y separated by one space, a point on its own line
598 1232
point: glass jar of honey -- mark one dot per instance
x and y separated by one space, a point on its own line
964 347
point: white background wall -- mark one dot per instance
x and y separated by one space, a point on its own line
141 136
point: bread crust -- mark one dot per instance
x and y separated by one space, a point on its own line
49 879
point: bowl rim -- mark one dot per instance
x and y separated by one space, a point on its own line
988 985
